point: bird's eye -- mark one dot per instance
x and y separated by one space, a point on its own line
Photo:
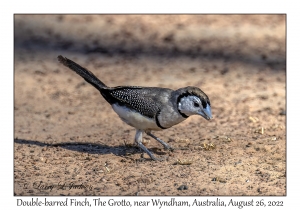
196 104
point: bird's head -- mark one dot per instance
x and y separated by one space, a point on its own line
193 101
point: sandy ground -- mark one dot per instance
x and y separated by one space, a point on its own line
68 140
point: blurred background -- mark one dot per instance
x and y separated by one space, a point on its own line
252 39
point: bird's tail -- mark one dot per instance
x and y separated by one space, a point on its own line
84 73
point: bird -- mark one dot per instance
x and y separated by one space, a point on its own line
148 109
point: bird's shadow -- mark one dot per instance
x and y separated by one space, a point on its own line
91 148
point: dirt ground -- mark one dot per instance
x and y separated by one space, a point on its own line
69 141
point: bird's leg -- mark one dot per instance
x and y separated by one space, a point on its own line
138 139
166 146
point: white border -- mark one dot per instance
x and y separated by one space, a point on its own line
155 6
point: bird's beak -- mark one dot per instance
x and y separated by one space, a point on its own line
206 113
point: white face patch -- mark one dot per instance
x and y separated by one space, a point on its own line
190 105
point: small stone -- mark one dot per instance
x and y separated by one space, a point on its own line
273 138
182 187
222 180
283 112
249 144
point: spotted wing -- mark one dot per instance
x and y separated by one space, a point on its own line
144 100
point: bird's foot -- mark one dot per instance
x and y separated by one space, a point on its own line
153 157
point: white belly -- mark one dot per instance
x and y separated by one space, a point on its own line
135 119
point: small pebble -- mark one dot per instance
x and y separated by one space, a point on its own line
182 187
249 144
283 112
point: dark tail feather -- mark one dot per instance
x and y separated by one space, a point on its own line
84 73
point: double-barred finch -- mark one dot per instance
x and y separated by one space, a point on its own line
148 108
